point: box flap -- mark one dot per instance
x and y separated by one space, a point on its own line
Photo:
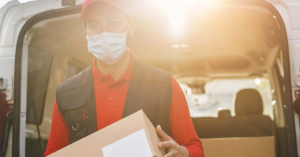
92 145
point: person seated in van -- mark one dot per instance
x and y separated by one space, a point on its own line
116 85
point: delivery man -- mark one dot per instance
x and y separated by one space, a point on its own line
116 85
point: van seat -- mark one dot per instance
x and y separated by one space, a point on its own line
224 113
205 127
248 122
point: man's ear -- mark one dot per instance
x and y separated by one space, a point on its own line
130 33
131 30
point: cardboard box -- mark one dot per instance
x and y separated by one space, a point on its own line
119 139
239 147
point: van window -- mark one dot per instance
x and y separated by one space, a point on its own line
219 95
39 66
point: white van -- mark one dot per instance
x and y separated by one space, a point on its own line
214 48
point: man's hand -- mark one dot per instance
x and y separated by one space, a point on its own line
174 149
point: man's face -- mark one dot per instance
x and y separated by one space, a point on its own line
106 18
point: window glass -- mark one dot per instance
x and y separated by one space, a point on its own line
39 67
219 95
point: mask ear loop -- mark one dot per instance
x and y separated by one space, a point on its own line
127 34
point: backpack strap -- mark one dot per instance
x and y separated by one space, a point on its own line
150 90
76 102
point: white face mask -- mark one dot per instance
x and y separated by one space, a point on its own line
108 47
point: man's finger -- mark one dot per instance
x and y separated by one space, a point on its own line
165 144
170 154
162 134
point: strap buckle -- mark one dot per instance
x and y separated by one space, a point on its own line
77 126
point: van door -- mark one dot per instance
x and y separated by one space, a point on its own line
291 65
2 119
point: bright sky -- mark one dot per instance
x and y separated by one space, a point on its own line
3 2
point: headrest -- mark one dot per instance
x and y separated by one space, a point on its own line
248 102
224 113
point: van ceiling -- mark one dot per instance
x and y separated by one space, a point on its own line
219 40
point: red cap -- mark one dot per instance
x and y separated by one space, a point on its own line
120 4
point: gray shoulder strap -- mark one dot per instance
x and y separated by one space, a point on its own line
75 99
77 81
150 90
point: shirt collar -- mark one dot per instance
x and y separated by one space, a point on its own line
98 77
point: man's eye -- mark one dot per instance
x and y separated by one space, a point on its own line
116 23
93 26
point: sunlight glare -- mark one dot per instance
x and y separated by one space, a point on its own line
176 9
257 81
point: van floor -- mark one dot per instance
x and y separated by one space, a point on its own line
34 148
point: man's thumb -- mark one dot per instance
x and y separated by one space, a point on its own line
161 133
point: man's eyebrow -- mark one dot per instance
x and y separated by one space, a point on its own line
115 18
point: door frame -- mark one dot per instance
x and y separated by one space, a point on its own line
17 133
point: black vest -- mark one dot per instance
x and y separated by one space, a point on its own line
150 89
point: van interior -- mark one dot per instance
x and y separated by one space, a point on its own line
227 58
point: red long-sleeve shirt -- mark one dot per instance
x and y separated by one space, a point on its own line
110 98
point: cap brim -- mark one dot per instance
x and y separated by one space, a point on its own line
89 6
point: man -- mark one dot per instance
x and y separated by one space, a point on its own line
116 86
